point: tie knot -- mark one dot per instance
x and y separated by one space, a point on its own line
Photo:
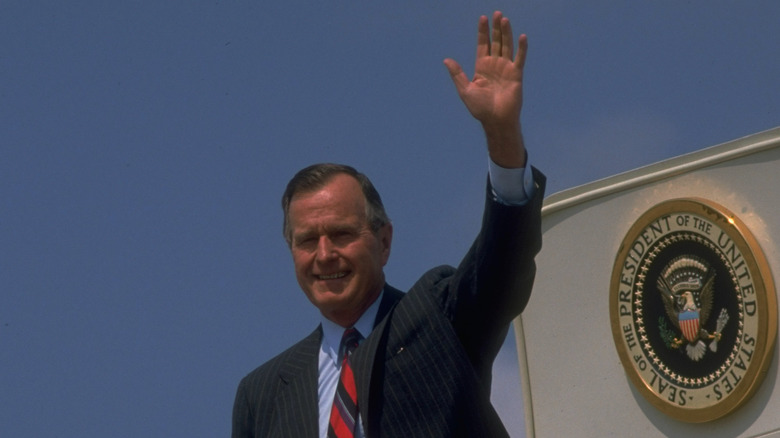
349 341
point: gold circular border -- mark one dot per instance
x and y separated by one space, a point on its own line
765 297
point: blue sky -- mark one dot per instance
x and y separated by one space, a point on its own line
144 147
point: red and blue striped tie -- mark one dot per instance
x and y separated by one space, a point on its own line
344 414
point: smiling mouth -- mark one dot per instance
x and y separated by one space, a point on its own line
332 276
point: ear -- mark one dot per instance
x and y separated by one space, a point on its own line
385 235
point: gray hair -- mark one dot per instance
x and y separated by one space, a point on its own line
316 176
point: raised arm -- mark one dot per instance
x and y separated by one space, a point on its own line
495 95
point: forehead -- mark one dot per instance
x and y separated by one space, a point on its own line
340 197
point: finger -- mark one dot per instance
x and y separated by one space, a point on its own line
507 42
522 51
495 48
483 40
459 78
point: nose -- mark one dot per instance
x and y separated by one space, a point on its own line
325 249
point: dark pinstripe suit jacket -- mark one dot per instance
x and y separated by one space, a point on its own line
425 369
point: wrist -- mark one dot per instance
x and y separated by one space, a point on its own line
505 144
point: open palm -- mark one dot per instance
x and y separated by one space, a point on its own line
495 95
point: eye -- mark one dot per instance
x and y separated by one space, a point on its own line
342 236
305 242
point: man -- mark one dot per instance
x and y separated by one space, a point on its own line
424 368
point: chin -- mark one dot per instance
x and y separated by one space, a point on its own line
329 301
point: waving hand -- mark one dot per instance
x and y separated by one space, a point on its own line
495 94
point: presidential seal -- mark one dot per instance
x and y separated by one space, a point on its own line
693 309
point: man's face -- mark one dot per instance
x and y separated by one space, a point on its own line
338 259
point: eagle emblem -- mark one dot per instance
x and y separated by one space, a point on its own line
686 286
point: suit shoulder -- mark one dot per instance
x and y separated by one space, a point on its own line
295 357
433 277
431 288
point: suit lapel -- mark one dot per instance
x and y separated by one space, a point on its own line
298 396
367 362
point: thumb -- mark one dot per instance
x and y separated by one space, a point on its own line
459 78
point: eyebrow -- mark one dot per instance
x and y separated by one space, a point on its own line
331 229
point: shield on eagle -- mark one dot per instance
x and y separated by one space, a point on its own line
689 324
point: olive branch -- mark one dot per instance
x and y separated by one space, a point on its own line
667 335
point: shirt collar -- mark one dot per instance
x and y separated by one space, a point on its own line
332 332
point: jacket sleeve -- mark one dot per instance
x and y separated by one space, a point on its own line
493 283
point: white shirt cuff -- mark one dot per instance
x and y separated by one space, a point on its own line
512 186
